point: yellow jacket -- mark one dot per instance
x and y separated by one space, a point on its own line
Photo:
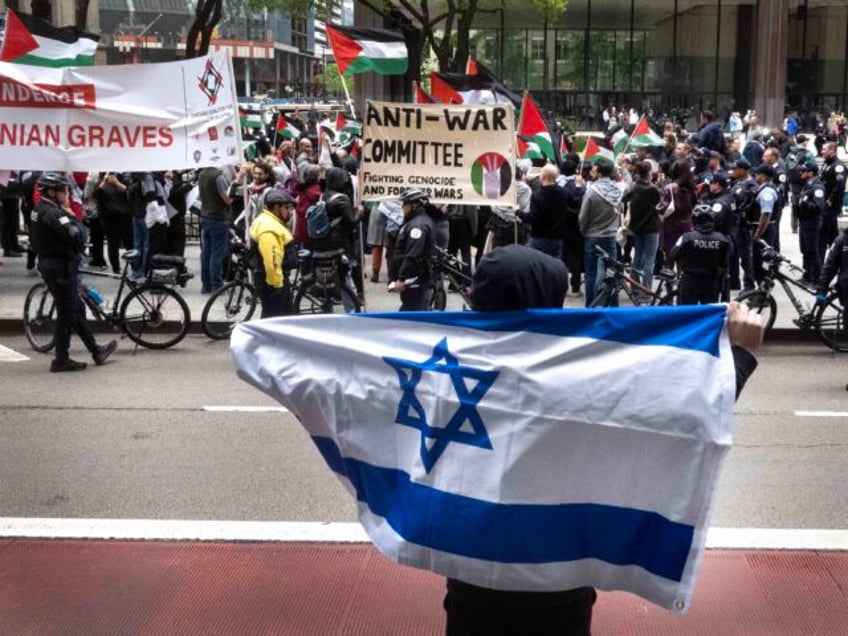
271 238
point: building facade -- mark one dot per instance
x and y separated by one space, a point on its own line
668 54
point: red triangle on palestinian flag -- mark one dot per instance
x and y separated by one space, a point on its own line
422 96
345 49
443 91
18 41
471 67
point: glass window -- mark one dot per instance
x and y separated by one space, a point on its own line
602 50
515 58
568 74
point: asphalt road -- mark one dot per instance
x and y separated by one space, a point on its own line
132 440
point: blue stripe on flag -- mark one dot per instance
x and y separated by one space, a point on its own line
693 327
515 533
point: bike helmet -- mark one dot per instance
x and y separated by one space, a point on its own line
701 212
52 181
275 197
415 197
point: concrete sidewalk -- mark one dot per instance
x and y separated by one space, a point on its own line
92 588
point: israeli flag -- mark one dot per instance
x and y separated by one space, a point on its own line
538 450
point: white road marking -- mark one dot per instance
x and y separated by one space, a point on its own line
244 409
10 355
821 413
338 532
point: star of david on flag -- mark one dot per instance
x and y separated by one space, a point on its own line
536 450
435 439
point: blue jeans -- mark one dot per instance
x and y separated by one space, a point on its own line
646 255
141 242
549 246
592 264
214 245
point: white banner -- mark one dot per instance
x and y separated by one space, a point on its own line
458 154
174 115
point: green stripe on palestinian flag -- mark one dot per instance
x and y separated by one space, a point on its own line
644 136
287 128
361 50
619 141
532 127
528 149
593 153
36 42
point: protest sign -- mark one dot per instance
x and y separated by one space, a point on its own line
174 115
458 154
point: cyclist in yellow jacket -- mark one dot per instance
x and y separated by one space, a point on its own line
271 238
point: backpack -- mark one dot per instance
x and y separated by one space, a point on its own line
318 224
794 160
745 195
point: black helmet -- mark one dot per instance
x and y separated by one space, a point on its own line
52 181
701 212
415 197
276 197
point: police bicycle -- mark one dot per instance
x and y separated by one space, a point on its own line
236 301
321 283
825 318
151 314
447 267
618 276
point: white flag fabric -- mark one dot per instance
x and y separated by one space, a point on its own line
540 450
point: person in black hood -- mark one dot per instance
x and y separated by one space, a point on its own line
516 277
702 256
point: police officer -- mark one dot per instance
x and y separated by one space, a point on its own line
413 252
771 157
798 156
763 227
833 177
701 255
811 210
744 191
836 264
726 221
58 241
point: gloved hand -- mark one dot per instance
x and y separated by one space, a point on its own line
821 297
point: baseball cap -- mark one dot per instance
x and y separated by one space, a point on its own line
766 170
741 163
721 178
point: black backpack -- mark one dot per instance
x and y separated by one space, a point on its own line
745 194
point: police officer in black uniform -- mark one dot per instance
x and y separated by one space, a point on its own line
58 241
701 255
833 177
411 268
723 206
798 156
811 209
744 190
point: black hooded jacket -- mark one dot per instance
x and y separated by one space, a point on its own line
517 277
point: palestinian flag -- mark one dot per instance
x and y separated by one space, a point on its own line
619 141
532 126
327 127
33 41
422 96
527 148
594 152
361 50
287 128
249 119
643 135
473 67
457 88
348 125
563 146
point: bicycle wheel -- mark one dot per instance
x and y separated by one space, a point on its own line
40 318
669 299
830 323
318 300
155 317
603 297
762 303
440 298
234 303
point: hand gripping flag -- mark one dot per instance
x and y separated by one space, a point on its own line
539 450
361 50
36 42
